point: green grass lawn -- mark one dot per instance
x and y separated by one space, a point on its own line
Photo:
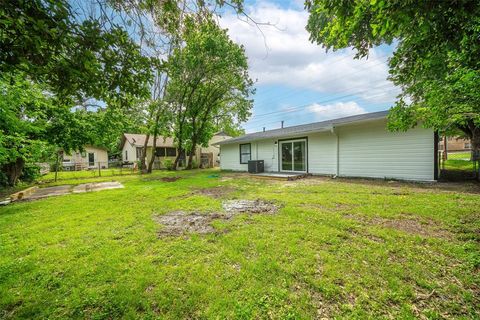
83 174
459 161
337 248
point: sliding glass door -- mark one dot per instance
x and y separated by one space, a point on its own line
293 155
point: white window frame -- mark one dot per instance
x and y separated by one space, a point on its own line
291 141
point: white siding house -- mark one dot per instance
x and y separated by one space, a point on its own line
91 158
132 147
357 146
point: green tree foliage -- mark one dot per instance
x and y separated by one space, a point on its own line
31 122
209 85
63 61
78 58
436 60
110 123
161 26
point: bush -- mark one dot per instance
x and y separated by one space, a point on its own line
194 164
3 179
30 172
168 164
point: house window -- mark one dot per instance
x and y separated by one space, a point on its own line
468 145
165 152
126 155
91 159
139 152
245 153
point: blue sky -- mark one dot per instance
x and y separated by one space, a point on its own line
299 82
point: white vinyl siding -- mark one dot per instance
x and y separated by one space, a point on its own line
365 150
262 150
230 158
369 150
131 152
267 151
322 153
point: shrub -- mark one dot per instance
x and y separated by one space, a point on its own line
3 179
168 164
30 172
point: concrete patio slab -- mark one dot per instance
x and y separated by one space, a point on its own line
280 175
49 192
87 187
40 193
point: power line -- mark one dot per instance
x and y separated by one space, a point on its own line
256 123
298 108
292 92
330 99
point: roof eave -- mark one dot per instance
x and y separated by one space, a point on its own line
282 135
378 116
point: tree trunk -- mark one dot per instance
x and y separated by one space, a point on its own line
155 134
190 160
152 159
475 141
13 170
143 156
192 152
177 159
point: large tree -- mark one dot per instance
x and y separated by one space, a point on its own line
31 122
436 60
161 27
209 84
75 62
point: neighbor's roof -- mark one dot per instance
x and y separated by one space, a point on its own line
305 128
222 133
138 140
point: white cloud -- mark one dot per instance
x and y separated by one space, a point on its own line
335 110
283 54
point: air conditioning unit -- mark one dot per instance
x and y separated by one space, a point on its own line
255 166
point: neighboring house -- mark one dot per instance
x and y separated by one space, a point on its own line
455 144
214 149
356 146
132 146
91 157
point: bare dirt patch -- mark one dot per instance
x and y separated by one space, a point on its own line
164 179
179 223
249 206
170 179
215 192
407 224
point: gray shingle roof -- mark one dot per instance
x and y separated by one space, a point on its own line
305 128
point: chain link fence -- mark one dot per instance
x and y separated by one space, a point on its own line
93 169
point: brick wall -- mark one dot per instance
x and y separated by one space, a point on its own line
455 144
